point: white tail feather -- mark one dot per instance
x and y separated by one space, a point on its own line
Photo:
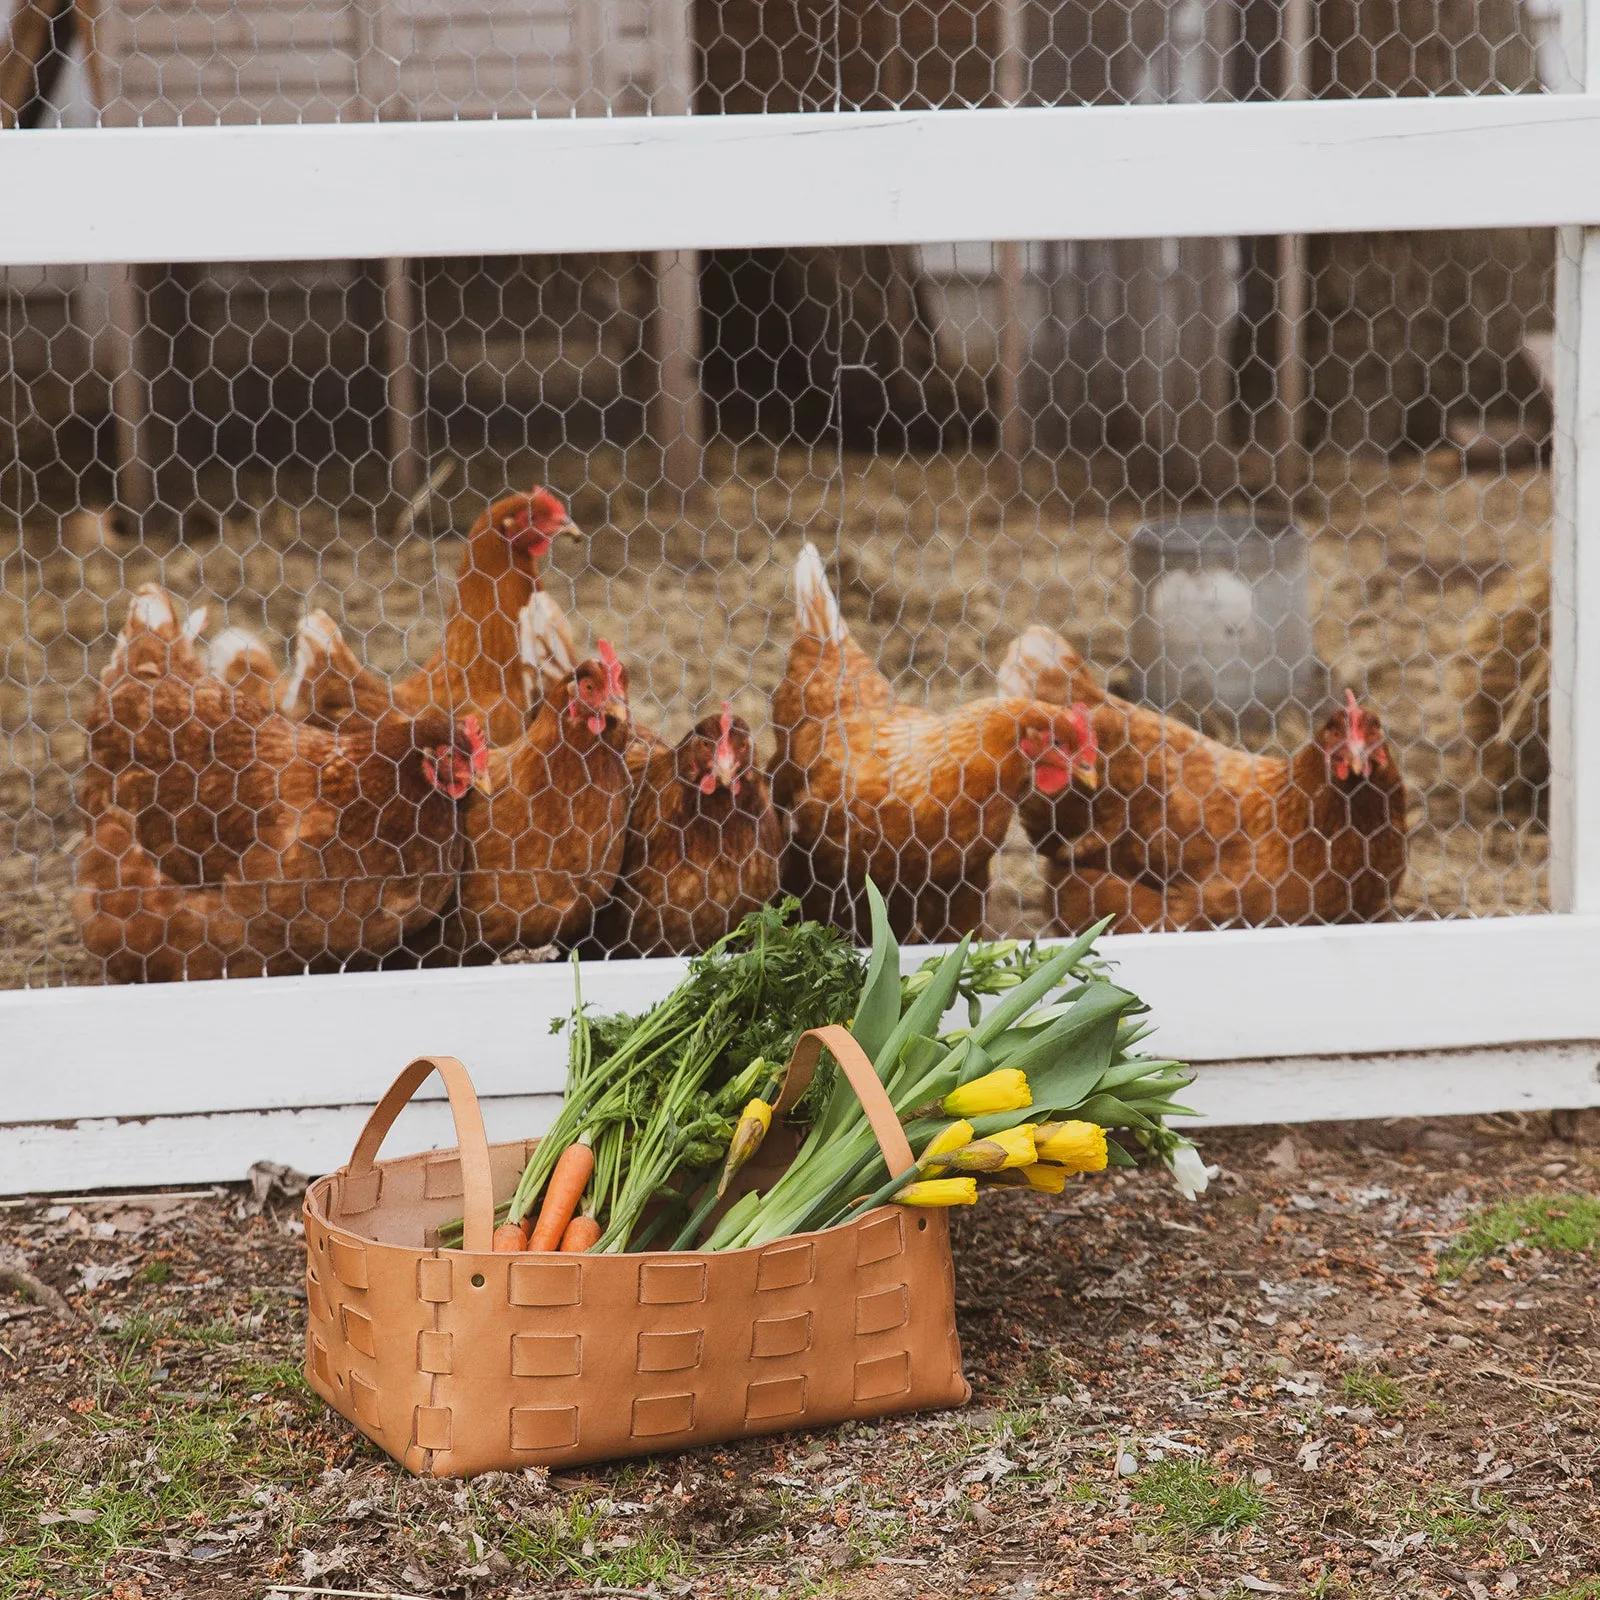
544 641
150 611
816 610
195 624
313 644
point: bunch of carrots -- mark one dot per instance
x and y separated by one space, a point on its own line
1041 1079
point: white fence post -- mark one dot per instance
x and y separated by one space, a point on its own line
1575 570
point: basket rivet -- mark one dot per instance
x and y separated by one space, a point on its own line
477 1280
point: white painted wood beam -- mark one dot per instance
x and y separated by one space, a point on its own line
877 177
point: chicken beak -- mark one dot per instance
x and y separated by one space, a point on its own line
725 767
569 528
1087 775
483 782
617 711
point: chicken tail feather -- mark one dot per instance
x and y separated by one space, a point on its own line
236 654
150 612
816 610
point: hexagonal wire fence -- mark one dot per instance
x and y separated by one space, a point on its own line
1273 510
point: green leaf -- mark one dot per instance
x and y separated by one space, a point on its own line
1110 1112
975 1063
1166 1108
920 1056
1141 1071
878 1010
1116 1156
922 1015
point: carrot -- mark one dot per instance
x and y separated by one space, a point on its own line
510 1236
583 1233
567 1183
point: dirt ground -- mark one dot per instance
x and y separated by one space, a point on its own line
939 573
1322 1380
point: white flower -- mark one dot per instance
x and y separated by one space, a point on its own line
1191 1173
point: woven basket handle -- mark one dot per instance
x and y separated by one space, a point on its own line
863 1079
476 1181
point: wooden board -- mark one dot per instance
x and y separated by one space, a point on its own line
599 184
175 1083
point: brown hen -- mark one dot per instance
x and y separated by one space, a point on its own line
919 800
1187 832
703 844
226 840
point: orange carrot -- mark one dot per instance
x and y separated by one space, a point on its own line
583 1233
510 1236
561 1197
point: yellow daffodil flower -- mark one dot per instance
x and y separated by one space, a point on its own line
998 1153
1004 1089
932 1192
1077 1146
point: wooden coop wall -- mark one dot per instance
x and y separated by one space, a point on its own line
259 61
1054 324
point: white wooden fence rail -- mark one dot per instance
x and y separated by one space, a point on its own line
915 177
192 1083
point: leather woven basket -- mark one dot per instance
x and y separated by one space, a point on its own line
464 1361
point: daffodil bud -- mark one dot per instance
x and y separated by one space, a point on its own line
1076 1146
998 1153
1004 1089
932 1192
940 1145
752 1127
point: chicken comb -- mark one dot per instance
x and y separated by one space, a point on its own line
477 741
615 671
727 718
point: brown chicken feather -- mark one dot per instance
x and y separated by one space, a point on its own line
226 839
703 843
1189 833
920 801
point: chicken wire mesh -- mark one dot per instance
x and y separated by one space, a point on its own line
1321 463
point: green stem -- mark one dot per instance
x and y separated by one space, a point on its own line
881 1197
686 1236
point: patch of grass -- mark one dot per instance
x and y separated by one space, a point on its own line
142 1329
156 1272
213 1333
1588 1589
1557 1223
1192 1497
572 1539
1452 1522
1376 1389
869 1540
268 1377
120 1480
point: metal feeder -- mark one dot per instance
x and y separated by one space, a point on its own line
1222 635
